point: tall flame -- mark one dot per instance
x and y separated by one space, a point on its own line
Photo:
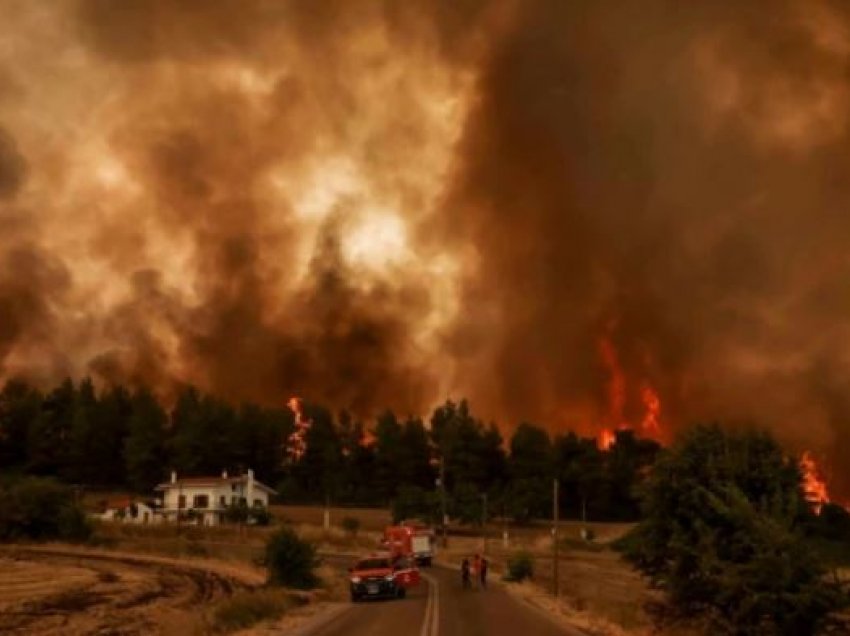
296 444
652 403
814 485
618 394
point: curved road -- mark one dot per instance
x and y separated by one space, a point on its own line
441 607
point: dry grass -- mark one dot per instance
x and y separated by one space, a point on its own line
247 608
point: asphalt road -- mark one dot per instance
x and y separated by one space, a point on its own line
441 607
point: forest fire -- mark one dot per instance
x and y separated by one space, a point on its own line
606 439
814 485
620 398
296 443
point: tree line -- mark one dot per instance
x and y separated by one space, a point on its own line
129 439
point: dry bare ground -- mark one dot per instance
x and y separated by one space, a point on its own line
73 591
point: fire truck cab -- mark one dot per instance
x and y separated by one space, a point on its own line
382 575
411 540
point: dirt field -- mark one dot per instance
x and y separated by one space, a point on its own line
57 590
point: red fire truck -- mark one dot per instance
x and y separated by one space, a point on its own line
382 575
411 540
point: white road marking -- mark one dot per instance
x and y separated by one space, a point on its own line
431 624
429 606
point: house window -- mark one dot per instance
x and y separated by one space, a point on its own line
258 503
232 487
201 501
181 501
243 501
223 501
234 499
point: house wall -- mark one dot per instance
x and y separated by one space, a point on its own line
218 496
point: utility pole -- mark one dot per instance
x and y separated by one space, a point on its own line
555 538
484 521
443 500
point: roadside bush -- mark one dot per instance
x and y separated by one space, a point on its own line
40 508
291 560
351 525
520 567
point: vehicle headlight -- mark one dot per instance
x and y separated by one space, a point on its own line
355 579
388 577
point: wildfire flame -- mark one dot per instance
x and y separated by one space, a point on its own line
814 486
618 394
652 403
296 443
606 439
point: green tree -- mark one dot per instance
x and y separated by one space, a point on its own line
412 502
580 469
625 465
415 455
467 505
388 455
20 405
319 469
531 468
721 535
144 446
202 434
50 432
359 465
82 466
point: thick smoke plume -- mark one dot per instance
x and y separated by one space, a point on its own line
558 209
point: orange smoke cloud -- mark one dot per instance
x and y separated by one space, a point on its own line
589 215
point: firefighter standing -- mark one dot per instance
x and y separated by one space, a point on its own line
483 571
464 573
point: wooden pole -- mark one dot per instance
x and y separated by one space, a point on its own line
484 522
555 539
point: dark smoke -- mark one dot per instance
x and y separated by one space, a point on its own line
665 179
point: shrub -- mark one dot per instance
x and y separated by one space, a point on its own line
351 525
241 513
291 560
42 509
520 567
244 609
261 516
72 524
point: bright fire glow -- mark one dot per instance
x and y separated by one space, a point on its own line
296 444
652 403
814 486
606 439
622 394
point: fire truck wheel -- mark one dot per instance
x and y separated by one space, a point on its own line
402 592
426 562
354 598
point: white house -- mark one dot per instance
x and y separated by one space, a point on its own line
209 497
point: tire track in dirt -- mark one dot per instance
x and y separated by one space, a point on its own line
123 594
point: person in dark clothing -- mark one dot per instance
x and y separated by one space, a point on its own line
464 573
483 571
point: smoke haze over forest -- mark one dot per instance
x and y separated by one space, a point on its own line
567 212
